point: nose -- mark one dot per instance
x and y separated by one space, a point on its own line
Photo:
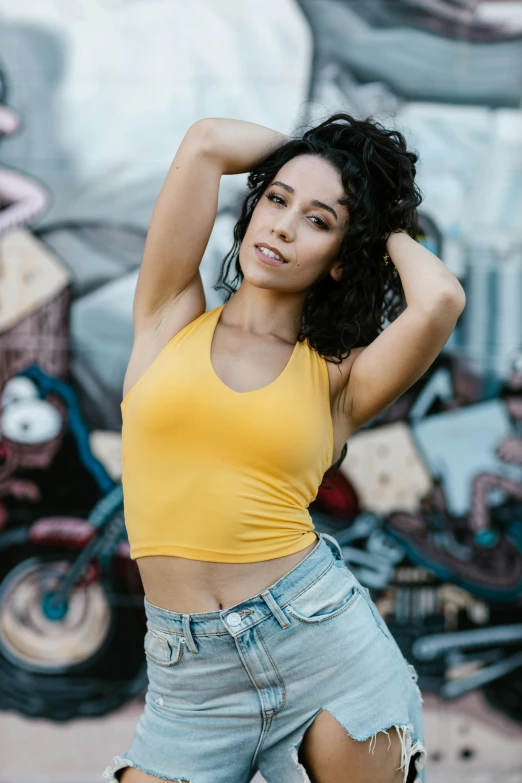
284 229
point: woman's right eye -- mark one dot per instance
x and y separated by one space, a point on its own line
322 224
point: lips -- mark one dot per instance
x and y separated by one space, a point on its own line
273 249
267 259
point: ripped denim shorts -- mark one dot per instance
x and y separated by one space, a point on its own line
233 691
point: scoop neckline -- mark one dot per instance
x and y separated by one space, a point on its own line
222 383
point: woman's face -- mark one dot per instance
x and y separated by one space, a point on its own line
307 235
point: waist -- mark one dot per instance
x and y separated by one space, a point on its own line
319 559
185 585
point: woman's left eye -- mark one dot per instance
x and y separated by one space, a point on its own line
320 224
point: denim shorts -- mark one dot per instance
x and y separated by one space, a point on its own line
232 691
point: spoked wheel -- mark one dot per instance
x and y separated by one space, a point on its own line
60 661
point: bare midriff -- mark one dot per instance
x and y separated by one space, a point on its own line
190 586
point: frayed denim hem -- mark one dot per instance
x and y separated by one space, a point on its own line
120 762
410 750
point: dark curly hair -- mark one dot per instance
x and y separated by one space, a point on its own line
377 172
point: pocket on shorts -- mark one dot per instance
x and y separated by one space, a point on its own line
333 594
381 624
163 649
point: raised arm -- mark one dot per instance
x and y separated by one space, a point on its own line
180 227
402 352
239 146
185 211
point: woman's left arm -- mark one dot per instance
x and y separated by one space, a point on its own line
405 349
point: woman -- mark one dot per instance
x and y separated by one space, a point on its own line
264 652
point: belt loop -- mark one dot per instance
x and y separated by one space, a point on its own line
335 542
188 635
280 616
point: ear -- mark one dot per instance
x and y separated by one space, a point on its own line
336 271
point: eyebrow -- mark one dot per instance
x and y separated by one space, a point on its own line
315 202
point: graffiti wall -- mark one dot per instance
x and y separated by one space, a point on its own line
95 98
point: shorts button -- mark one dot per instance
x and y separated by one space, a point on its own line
233 619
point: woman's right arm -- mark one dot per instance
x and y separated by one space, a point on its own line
185 211
179 230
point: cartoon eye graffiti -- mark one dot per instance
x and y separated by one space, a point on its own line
30 421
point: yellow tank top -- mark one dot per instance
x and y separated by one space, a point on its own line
218 475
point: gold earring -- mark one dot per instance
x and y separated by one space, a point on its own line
386 257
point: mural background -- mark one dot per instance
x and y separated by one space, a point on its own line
95 98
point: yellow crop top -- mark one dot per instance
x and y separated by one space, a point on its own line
218 475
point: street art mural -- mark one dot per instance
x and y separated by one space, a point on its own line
428 503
